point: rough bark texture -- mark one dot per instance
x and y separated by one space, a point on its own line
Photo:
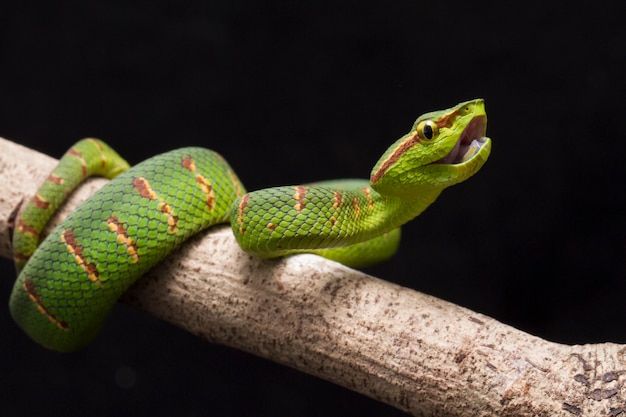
413 351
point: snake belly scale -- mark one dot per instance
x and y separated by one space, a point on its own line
68 284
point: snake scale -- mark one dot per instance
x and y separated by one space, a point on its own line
68 283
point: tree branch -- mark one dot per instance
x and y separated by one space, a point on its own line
412 351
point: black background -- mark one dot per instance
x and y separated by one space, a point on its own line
299 91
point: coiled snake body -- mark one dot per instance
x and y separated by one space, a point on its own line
68 284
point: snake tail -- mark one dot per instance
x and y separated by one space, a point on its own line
88 157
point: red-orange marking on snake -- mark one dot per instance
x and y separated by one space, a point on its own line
337 198
395 155
75 249
355 206
242 206
79 155
408 143
207 189
40 202
189 164
368 193
103 160
25 228
122 237
55 179
143 186
29 287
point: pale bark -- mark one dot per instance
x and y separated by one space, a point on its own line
410 350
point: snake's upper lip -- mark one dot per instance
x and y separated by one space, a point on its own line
471 140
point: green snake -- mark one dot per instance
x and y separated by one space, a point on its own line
68 283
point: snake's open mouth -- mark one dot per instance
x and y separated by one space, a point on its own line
470 142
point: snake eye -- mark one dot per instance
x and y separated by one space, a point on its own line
427 129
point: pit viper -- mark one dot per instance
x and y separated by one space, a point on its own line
68 283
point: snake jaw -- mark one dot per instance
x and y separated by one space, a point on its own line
470 142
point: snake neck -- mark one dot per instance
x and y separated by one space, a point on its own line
283 220
400 210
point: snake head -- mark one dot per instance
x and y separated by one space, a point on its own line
443 148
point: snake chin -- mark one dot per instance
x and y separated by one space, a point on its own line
468 145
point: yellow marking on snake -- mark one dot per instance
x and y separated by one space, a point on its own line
75 249
83 164
25 228
337 198
122 237
242 206
368 193
355 206
97 144
143 186
55 179
207 189
189 164
29 287
40 202
299 197
172 220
